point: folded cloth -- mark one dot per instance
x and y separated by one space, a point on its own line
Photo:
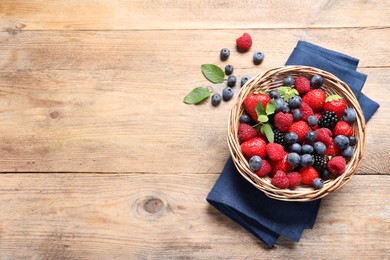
266 218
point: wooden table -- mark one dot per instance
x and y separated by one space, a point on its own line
100 158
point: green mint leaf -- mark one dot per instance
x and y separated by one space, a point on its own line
257 127
260 109
262 118
197 95
267 130
213 73
270 108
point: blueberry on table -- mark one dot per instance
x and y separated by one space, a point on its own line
229 69
227 94
258 57
231 81
244 80
216 99
224 54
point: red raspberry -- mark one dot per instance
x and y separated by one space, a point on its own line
246 132
324 135
302 84
294 179
281 165
336 165
283 121
332 150
308 174
244 42
275 151
342 128
300 128
306 111
265 169
280 180
315 99
254 146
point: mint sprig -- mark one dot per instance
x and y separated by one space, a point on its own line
262 117
213 73
197 95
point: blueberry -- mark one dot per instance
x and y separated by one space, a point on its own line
316 81
319 148
288 81
312 120
216 99
225 53
244 80
325 174
307 149
291 137
279 104
295 148
227 94
246 119
255 162
274 94
311 136
347 152
229 69
318 183
297 114
231 81
295 102
286 108
349 115
258 57
341 141
307 160
352 140
293 159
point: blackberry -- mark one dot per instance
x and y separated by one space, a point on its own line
328 120
279 138
320 162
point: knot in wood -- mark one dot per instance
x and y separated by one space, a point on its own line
153 205
54 114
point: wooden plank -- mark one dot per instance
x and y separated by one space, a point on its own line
64 94
203 14
78 216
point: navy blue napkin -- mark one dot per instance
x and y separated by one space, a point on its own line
266 218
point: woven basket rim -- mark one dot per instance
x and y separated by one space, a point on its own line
271 79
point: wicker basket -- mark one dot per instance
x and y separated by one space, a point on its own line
271 79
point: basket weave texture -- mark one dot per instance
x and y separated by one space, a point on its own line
272 79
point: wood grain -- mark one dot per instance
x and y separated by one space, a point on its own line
202 14
148 216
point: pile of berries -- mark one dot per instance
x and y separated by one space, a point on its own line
310 137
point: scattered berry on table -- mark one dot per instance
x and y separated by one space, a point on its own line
244 42
231 81
312 120
336 165
328 120
295 102
279 137
318 183
280 180
274 94
320 162
297 114
352 140
319 148
316 81
294 179
250 103
302 84
336 104
224 54
227 93
310 136
291 137
343 128
315 99
244 80
264 170
349 115
255 162
341 141
293 159
288 81
283 121
308 174
300 128
275 151
258 57
246 132
347 152
229 69
307 160
254 146
216 99
307 149
244 118
295 148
